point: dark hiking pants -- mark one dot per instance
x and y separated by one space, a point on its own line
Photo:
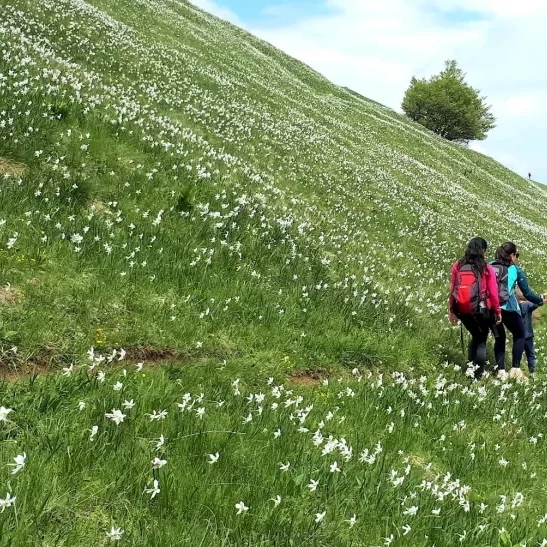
512 320
478 327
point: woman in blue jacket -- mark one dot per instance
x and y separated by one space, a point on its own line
508 272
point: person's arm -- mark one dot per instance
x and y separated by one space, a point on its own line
529 294
451 295
528 307
451 316
492 288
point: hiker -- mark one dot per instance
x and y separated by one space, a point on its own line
474 300
509 276
527 309
530 176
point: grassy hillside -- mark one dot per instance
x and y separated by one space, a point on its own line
174 190
363 460
170 182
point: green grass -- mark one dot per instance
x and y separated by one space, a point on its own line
175 187
317 221
399 442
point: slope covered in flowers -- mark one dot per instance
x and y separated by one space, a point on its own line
109 452
174 187
169 181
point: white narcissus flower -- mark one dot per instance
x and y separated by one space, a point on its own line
213 458
284 466
157 416
158 464
334 468
313 485
115 534
154 491
276 500
200 412
94 429
118 386
116 416
352 521
7 502
4 412
241 508
411 511
128 404
81 405
406 529
160 442
320 516
19 463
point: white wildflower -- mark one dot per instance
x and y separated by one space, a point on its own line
115 534
94 429
19 463
7 502
276 500
154 491
313 485
157 463
116 416
241 508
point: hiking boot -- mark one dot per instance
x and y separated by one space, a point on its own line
502 375
518 375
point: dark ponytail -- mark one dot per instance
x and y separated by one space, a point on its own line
474 255
504 252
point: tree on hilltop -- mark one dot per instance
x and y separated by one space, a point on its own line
447 105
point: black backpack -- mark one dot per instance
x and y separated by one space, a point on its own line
502 277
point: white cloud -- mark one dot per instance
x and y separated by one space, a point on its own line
502 8
524 104
375 47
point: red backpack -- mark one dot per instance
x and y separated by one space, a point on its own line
467 296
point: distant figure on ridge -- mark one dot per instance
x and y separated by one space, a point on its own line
530 176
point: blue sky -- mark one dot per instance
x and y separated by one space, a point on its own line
268 13
376 46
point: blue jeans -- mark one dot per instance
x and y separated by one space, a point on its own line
530 353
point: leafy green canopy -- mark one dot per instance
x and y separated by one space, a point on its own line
449 106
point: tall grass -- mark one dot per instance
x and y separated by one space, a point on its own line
356 460
181 184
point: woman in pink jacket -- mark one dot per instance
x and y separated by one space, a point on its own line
474 300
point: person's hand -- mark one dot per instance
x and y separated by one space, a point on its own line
453 320
498 318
